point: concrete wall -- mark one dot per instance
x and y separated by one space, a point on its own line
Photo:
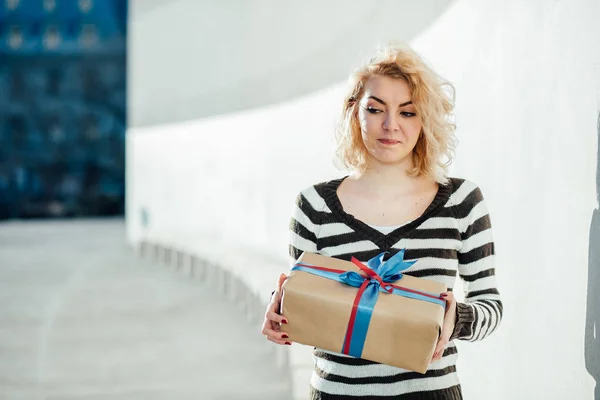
191 59
528 79
528 98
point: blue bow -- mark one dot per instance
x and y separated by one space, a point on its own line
384 272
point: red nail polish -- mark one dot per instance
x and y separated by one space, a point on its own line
284 336
284 321
288 343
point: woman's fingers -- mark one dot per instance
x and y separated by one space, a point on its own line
273 316
439 349
441 346
279 341
449 317
448 326
273 319
276 337
448 296
280 281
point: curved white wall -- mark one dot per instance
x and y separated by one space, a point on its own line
191 59
528 80
528 97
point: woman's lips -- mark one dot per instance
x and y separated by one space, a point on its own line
388 141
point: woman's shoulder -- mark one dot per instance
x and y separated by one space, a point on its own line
322 188
462 184
464 192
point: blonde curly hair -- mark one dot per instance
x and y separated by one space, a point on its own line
433 98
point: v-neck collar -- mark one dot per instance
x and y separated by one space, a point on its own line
382 240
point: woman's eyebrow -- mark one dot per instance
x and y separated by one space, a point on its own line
383 102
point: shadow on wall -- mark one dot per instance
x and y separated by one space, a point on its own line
592 320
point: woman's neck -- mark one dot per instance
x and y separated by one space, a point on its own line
386 181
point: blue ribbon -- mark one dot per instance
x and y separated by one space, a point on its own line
389 271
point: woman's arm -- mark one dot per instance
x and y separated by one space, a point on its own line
481 312
302 238
303 227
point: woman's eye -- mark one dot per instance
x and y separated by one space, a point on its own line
407 114
373 110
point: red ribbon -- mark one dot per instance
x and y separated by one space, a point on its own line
388 287
348 339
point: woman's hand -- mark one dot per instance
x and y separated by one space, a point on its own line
271 325
448 328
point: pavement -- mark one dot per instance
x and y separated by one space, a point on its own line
81 317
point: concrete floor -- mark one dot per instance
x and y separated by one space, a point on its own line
82 318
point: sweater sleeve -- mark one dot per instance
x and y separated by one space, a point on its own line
303 228
481 312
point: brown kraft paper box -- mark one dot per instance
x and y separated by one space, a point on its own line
403 332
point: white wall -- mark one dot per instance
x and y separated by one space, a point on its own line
528 80
528 96
191 58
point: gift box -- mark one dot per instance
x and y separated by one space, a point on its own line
369 311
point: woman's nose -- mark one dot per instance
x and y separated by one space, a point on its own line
391 123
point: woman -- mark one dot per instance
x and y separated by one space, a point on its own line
394 134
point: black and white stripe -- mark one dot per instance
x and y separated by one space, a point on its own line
452 236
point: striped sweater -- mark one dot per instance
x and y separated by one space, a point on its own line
452 235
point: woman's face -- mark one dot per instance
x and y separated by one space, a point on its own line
389 124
